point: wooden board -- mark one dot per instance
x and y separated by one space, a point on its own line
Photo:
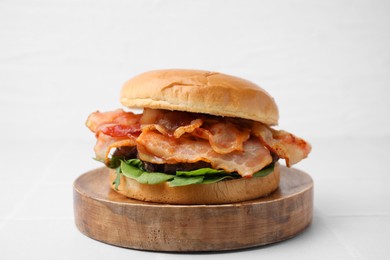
104 215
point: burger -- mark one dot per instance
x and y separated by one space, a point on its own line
202 138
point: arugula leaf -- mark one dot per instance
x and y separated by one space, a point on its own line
154 177
113 163
265 171
133 169
117 179
134 162
198 172
183 181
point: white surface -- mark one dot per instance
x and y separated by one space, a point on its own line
351 215
327 63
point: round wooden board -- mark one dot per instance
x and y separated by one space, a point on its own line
104 215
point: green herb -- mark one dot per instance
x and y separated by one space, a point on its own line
113 163
117 179
265 171
183 181
133 170
199 172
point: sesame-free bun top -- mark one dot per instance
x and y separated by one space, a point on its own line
200 91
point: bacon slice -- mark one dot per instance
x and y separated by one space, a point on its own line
161 136
105 143
223 135
167 122
195 124
155 147
178 132
224 138
170 123
286 145
113 129
116 123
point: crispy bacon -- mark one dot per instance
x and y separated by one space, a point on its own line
154 147
167 122
105 143
113 129
286 145
116 123
170 137
178 132
194 124
225 137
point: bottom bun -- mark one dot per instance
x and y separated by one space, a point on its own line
227 191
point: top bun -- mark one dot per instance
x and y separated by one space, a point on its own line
200 92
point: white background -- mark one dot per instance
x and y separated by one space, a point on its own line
327 63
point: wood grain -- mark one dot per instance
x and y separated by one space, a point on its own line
104 215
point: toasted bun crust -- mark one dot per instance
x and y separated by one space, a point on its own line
229 191
200 92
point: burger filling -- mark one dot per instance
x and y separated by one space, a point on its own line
185 148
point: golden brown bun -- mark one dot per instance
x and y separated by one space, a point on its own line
228 191
200 92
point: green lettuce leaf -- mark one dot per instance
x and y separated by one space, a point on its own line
199 172
265 171
183 181
133 169
117 180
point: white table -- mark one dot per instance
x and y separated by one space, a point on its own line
351 210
